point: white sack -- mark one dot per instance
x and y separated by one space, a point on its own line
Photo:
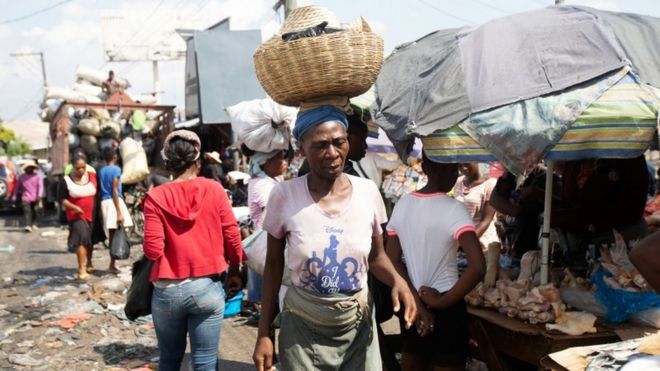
134 158
262 124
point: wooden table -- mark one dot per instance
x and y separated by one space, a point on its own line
496 333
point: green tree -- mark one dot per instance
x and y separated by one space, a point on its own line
6 135
18 147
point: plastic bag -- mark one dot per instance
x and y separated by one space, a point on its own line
120 249
586 301
262 124
255 247
74 140
136 167
320 29
138 297
621 304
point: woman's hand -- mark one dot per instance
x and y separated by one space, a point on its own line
401 295
263 354
78 210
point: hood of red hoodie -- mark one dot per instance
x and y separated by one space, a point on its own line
181 201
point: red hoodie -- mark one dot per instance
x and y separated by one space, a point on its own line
190 230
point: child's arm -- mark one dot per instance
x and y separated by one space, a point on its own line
426 318
474 273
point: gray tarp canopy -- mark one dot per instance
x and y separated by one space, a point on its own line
439 80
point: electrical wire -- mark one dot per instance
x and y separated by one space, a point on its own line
37 12
28 106
483 3
130 38
446 13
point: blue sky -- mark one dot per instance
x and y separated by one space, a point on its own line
70 34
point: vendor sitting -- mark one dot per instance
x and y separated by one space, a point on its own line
597 197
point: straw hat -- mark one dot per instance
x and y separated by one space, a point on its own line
214 156
28 165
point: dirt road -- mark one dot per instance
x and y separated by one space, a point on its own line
51 321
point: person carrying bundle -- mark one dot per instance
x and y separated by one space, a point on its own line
330 223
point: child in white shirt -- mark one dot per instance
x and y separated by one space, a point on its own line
427 228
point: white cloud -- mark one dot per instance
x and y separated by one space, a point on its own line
598 4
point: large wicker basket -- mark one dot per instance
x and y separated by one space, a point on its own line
343 63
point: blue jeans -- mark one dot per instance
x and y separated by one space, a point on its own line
196 308
254 287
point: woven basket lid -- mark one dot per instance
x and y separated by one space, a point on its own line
309 16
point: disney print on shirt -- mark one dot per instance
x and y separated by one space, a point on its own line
329 276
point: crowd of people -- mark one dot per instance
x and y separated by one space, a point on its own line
94 206
328 232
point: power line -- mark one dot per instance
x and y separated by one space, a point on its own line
492 7
30 15
130 38
27 107
448 14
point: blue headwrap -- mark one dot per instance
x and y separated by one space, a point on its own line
308 119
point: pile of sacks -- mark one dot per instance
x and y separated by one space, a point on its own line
86 88
93 130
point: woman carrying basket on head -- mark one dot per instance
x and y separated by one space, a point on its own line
330 223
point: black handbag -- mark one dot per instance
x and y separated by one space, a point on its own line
120 248
138 298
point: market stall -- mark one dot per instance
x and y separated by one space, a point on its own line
472 100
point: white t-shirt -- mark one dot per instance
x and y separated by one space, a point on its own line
326 253
259 189
428 227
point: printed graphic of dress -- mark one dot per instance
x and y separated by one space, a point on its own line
328 275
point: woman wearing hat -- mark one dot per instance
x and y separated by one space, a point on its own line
330 223
30 187
192 237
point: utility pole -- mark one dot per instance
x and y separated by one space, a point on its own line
43 63
154 67
289 5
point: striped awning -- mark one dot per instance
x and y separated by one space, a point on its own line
619 124
362 103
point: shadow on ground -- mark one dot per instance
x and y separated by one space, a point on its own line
116 353
48 252
234 365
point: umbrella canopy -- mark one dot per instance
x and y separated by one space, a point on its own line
619 124
444 77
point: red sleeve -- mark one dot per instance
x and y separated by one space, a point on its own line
231 234
154 235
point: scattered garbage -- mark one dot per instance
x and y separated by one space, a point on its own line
113 284
24 360
39 282
47 234
8 249
72 320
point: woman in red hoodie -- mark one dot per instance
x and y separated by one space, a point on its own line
192 236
